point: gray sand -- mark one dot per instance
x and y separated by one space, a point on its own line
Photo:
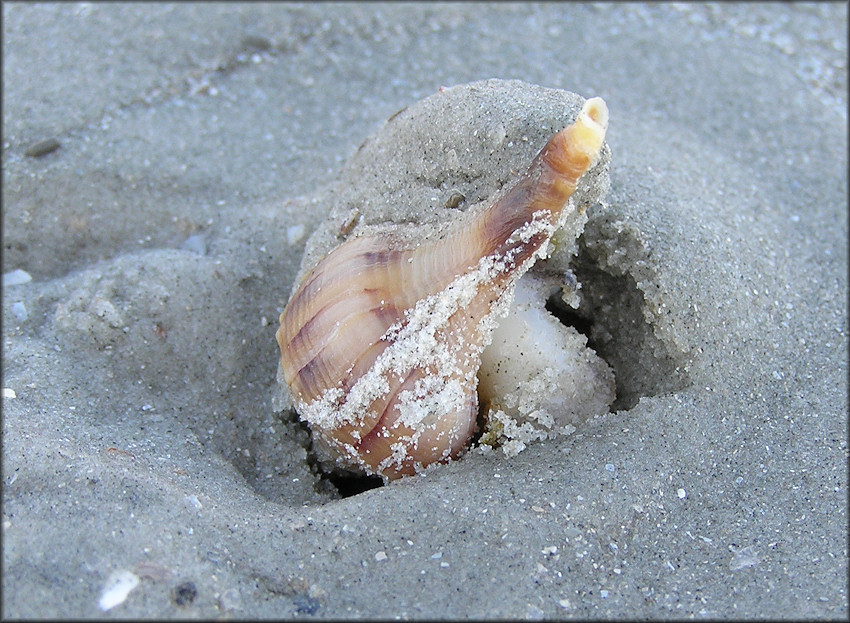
196 143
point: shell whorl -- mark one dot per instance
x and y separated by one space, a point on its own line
381 343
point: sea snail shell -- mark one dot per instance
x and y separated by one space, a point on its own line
381 342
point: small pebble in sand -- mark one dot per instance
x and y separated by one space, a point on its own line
16 277
256 42
42 148
294 233
454 200
184 593
19 310
743 558
196 244
118 586
349 223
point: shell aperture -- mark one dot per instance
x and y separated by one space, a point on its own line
381 342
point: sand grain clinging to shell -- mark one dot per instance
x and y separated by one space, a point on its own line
381 341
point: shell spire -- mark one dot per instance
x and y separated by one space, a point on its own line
381 342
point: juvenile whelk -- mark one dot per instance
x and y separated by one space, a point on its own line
382 340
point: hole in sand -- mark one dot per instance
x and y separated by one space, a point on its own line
351 484
338 483
612 315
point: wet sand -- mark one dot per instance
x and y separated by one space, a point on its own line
198 148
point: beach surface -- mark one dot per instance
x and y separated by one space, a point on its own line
164 167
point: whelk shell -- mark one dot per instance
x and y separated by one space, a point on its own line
382 340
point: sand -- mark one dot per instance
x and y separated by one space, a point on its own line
145 470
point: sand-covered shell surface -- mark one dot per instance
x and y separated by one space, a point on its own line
382 339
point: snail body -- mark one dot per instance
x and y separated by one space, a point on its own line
381 342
